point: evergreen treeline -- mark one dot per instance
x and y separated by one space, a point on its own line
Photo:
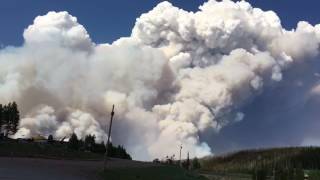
89 144
283 163
9 118
118 152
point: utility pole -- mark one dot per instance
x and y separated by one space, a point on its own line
180 156
188 162
108 140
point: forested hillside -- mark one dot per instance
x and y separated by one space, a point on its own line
269 160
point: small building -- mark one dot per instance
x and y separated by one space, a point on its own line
39 139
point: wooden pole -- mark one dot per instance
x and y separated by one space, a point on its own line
188 162
180 156
108 140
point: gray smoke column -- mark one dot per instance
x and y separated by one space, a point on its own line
178 76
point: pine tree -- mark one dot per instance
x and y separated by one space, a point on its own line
1 119
195 163
50 139
14 118
188 162
73 142
9 118
89 142
5 118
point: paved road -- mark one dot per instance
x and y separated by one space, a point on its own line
47 169
44 169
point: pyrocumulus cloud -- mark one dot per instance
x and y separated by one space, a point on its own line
179 75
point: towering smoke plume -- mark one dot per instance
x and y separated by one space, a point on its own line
178 76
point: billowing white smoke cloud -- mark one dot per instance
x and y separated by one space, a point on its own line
179 75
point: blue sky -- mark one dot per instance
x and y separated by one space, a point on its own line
106 21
